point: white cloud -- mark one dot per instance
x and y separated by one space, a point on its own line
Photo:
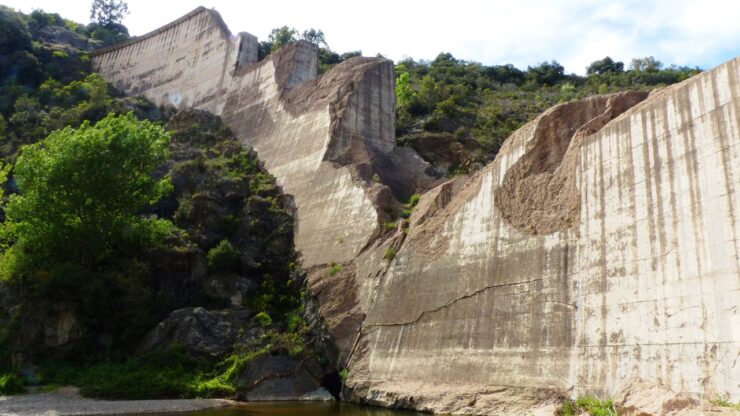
525 32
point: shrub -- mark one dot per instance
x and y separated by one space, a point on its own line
724 401
11 383
590 404
263 319
334 268
390 253
414 200
161 374
294 321
223 257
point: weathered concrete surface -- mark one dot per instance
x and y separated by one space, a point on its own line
600 246
323 138
639 398
638 279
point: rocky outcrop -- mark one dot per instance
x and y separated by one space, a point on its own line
599 246
278 378
202 333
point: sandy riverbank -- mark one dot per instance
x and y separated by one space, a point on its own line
67 401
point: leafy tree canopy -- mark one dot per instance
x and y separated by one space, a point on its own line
315 36
108 12
282 36
647 64
605 66
79 193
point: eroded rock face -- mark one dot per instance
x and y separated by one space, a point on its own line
202 333
599 246
277 378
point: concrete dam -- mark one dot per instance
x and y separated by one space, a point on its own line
600 247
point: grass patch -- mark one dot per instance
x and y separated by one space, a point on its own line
389 225
590 404
390 253
724 401
334 268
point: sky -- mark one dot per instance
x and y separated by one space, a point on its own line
701 33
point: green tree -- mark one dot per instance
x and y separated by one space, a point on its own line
546 73
281 36
108 12
404 93
647 64
315 36
79 194
605 66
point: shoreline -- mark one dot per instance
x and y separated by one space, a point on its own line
67 401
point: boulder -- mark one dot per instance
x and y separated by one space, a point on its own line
278 377
202 333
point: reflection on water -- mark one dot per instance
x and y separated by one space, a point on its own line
299 409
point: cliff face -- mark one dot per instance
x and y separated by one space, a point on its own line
600 246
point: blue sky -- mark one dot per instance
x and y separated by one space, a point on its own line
701 33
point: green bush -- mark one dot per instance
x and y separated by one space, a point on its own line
414 200
590 404
157 375
11 383
263 319
294 321
390 253
224 257
334 268
724 401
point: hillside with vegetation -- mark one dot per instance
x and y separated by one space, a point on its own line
457 114
130 230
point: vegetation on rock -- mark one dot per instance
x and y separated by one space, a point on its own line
122 215
590 405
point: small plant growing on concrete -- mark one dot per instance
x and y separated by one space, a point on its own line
334 268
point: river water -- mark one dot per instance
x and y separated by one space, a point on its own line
300 409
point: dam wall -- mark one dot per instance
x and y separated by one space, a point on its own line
599 248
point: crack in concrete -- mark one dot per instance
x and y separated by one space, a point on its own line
450 303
